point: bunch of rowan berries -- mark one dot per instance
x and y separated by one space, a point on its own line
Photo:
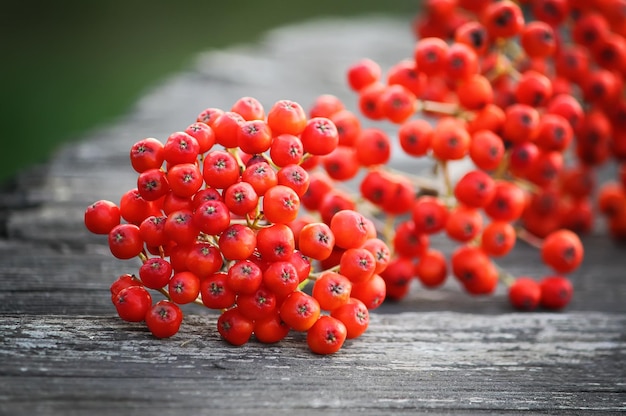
250 212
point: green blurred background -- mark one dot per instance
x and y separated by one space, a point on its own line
70 65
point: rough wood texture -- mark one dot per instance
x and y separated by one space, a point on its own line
63 351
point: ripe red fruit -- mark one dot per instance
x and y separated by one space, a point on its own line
562 250
164 319
125 241
275 242
349 228
286 117
155 273
300 311
354 315
316 241
101 216
327 335
556 292
281 204
331 290
234 327
363 73
132 303
525 293
147 154
319 136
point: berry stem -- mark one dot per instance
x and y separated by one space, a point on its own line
529 238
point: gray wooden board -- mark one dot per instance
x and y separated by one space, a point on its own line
63 351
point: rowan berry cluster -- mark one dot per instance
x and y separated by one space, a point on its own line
251 213
214 220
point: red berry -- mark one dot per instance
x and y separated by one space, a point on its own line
164 319
327 335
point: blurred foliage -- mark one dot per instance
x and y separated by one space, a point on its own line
70 65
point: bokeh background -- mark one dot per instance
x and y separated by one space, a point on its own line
71 65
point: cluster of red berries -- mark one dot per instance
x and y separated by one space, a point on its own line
531 93
214 220
535 106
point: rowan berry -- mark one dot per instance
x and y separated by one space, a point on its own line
249 108
215 292
164 319
155 273
398 276
101 216
281 277
406 73
349 228
429 214
234 327
486 149
316 240
286 149
464 223
430 55
220 169
431 268
398 103
450 139
132 303
261 176
373 147
562 250
369 101
125 241
240 198
357 264
237 242
275 242
300 311
319 136
525 293
271 329
295 177
185 179
147 154
281 204
503 19
184 287
327 335
122 282
371 292
556 292
538 39
508 202
415 136
363 73
180 147
348 127
354 315
498 238
286 116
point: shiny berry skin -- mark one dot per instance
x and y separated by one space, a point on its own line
354 315
155 273
132 303
147 154
101 216
125 241
524 294
327 335
235 328
363 73
562 250
164 319
300 311
556 292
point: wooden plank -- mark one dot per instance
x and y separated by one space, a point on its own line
63 351
444 361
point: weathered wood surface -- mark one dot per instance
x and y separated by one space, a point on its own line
63 351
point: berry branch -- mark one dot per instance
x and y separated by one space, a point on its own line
246 211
